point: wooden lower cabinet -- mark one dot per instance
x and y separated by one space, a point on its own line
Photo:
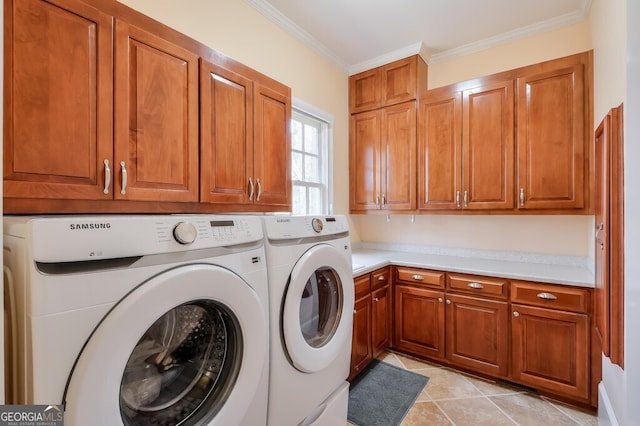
476 334
371 319
534 334
419 321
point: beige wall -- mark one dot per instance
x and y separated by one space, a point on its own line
571 235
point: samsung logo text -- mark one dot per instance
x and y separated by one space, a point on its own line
83 226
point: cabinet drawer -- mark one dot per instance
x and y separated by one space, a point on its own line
420 277
380 278
477 285
550 296
362 285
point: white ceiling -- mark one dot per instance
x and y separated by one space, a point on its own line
360 34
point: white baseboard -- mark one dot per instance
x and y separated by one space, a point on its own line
606 415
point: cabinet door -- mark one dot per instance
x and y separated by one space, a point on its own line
58 100
364 161
381 319
550 350
398 157
477 334
272 146
226 138
364 91
156 118
439 152
398 80
419 321
551 139
361 349
488 147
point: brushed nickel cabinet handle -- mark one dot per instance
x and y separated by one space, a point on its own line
259 189
417 277
383 200
250 189
547 296
123 191
377 200
521 197
458 199
475 285
600 243
466 199
107 177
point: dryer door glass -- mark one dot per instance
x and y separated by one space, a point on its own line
321 306
183 367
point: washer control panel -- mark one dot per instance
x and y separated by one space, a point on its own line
288 227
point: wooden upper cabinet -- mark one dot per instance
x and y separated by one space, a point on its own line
439 151
382 158
364 160
553 105
56 145
398 157
488 146
156 118
389 84
272 146
466 148
226 134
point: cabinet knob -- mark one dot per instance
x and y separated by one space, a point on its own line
381 278
448 302
375 299
475 285
417 277
516 314
355 311
440 299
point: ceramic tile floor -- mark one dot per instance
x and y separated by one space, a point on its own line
453 398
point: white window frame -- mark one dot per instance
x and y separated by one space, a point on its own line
304 110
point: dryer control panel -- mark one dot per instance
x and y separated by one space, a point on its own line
288 227
80 238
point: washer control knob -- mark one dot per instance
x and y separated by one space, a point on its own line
185 233
317 225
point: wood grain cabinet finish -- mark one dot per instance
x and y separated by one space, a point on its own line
466 148
243 123
371 319
361 343
381 302
56 145
382 158
156 118
553 113
102 114
390 84
477 334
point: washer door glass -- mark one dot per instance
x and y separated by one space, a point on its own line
189 346
318 304
321 306
184 364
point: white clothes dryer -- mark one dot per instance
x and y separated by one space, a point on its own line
140 320
311 298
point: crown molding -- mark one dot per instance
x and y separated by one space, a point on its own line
292 28
518 34
421 49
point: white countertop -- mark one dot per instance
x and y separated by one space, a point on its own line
568 270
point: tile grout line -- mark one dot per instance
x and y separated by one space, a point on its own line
444 413
503 412
562 411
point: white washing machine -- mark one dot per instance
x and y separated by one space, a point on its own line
140 320
311 298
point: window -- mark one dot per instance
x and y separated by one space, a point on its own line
310 167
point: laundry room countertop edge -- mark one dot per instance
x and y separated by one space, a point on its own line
554 269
